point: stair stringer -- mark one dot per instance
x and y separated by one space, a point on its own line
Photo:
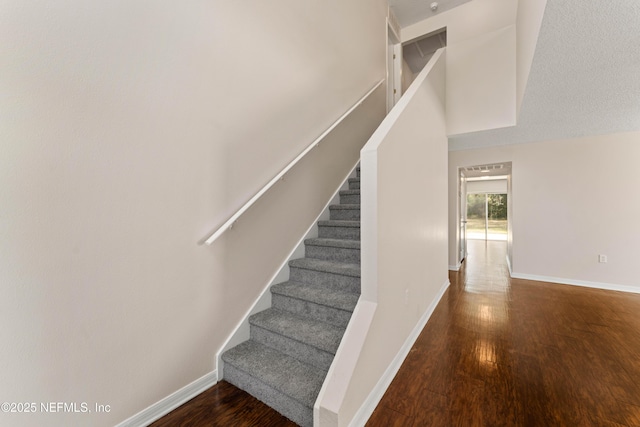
263 301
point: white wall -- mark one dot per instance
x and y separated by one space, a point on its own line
481 63
481 82
572 200
129 130
404 238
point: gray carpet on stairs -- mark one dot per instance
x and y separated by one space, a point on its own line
293 343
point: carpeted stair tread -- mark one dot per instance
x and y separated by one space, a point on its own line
344 206
334 248
333 243
293 343
350 197
290 376
345 212
320 335
336 299
348 229
352 270
339 223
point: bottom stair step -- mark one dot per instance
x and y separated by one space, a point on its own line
282 382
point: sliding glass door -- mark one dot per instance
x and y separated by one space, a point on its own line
487 216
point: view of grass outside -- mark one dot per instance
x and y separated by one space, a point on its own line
491 208
495 226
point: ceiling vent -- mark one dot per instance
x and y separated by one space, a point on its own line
485 168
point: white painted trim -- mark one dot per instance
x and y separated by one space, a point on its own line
370 404
282 274
394 25
572 282
171 402
369 225
336 383
229 223
455 267
509 265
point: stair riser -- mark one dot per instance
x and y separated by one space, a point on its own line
287 406
350 199
325 279
349 233
311 310
350 256
345 214
354 185
358 173
296 349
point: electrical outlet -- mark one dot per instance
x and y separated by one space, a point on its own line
602 258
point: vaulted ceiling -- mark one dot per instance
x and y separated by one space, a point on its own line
585 76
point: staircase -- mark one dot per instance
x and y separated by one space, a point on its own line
293 343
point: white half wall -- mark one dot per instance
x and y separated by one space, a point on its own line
131 129
404 238
572 200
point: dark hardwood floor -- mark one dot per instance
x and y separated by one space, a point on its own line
496 352
223 405
507 352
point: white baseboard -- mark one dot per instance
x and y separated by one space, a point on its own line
509 265
362 416
572 282
455 267
171 402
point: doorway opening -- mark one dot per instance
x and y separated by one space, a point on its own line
485 208
394 66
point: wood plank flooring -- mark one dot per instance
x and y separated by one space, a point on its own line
507 352
223 405
496 352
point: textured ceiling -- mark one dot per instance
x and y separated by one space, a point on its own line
411 11
585 76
